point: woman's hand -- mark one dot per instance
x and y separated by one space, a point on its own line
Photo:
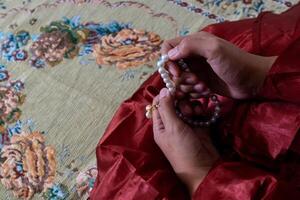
215 64
189 151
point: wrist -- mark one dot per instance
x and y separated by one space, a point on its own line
193 179
260 66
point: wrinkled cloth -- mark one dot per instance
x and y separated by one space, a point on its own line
258 139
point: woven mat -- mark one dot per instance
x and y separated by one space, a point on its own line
65 67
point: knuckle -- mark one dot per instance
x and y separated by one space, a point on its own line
185 45
186 42
166 43
199 29
155 100
165 46
161 107
204 33
216 46
156 138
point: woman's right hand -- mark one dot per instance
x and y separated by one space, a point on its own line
216 64
189 150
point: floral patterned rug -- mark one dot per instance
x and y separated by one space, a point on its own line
65 67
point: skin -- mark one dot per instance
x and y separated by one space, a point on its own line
194 155
216 64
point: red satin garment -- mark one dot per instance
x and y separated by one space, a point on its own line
259 140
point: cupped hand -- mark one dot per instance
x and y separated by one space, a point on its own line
189 151
215 64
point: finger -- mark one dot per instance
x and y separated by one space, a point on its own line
200 43
200 87
189 78
186 79
158 126
176 80
195 95
167 111
186 88
173 69
169 44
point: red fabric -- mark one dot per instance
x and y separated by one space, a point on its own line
259 140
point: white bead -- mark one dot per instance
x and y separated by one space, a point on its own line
217 108
166 80
149 115
164 73
148 107
169 85
206 93
165 76
216 114
214 98
164 58
213 120
172 91
162 70
160 63
169 82
172 87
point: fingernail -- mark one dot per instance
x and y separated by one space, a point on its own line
163 93
206 92
190 80
173 52
199 87
172 69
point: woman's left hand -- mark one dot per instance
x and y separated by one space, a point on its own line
190 152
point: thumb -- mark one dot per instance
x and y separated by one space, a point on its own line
187 47
166 109
200 44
